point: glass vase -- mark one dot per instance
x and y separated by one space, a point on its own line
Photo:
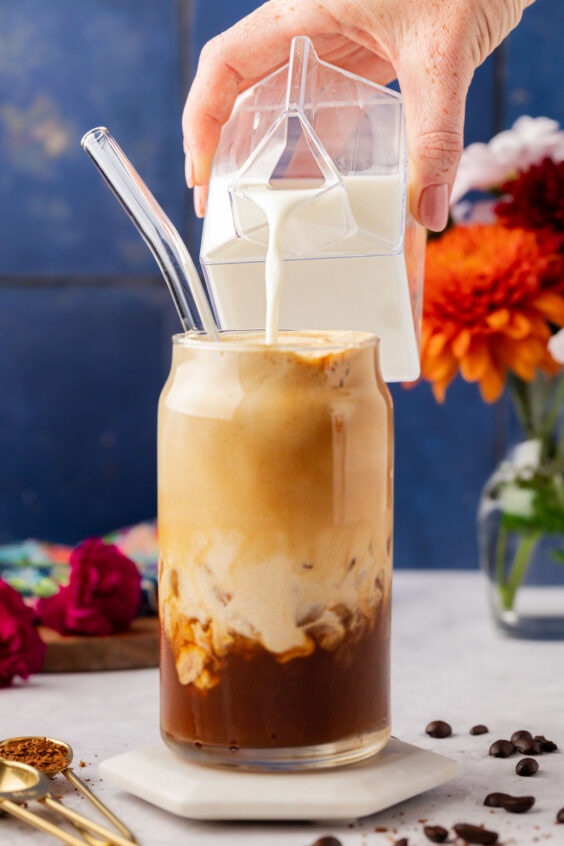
521 542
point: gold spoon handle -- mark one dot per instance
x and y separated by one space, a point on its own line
89 838
84 822
85 790
40 823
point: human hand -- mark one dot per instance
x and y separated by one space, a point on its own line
431 46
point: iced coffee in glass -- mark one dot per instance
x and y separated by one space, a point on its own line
275 536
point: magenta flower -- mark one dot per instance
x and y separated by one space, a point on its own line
102 596
21 649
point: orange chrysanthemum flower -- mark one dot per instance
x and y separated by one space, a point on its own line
490 294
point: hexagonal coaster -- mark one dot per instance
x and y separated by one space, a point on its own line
398 772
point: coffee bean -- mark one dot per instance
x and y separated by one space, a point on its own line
494 800
328 840
403 841
527 767
517 735
518 804
435 833
438 728
528 746
560 816
475 834
479 729
545 745
501 749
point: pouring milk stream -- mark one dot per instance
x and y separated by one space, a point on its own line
278 203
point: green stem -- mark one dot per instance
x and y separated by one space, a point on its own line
551 416
560 446
525 548
500 550
522 404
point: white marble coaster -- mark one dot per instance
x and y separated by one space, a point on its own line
398 772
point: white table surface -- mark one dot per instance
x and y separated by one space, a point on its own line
448 663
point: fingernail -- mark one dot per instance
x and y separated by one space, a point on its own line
200 197
188 168
433 207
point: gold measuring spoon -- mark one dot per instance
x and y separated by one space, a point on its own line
22 783
64 768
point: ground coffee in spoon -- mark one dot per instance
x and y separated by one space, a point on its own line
38 752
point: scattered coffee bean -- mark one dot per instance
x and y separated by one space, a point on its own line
517 735
527 767
435 833
438 728
475 834
560 816
328 840
518 804
403 841
501 749
479 729
494 800
528 746
545 745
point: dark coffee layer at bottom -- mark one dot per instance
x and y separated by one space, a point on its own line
262 703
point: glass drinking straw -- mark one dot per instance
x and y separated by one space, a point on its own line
156 229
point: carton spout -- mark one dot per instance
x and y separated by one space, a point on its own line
302 75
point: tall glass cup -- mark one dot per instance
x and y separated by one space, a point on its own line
275 536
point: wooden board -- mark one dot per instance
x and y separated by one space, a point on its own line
136 648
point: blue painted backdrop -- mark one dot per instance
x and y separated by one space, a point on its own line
85 321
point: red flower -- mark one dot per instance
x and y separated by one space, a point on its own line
535 198
102 596
21 649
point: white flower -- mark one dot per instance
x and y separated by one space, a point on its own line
520 502
528 142
526 456
556 346
482 211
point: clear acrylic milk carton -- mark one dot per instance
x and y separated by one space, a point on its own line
332 145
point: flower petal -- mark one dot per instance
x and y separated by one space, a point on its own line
476 361
462 342
435 345
438 368
549 365
519 326
491 384
440 386
498 319
551 305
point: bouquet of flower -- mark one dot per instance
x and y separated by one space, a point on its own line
494 302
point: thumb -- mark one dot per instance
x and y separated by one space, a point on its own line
434 93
